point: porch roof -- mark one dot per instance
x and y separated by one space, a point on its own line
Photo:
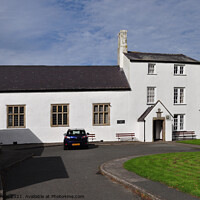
149 109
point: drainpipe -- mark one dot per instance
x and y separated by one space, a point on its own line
144 130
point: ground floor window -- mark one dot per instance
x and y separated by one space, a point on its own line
60 115
179 120
101 114
16 116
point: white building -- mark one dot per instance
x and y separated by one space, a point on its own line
149 94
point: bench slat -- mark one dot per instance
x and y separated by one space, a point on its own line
92 136
184 134
125 134
119 135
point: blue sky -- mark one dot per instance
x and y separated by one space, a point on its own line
84 32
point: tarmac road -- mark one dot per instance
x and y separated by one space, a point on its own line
74 174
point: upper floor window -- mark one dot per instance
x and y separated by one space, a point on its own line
151 95
60 115
16 116
179 122
101 114
179 69
151 68
179 95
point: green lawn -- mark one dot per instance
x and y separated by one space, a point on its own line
197 142
178 170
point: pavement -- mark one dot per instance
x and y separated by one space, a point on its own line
146 189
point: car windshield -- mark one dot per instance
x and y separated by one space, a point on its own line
76 132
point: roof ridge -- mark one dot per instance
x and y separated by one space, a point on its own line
155 53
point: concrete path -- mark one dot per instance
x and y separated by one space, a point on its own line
154 190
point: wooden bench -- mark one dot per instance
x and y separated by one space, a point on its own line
184 135
92 136
123 135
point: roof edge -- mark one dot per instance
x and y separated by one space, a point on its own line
67 90
24 65
149 109
195 63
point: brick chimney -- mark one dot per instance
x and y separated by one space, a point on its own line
122 46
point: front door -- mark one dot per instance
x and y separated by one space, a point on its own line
158 130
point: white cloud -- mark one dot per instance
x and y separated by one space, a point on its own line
74 32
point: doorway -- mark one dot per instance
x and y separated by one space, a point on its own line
158 129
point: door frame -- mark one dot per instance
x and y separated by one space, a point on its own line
163 124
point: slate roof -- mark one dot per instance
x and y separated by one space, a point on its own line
62 78
159 57
146 112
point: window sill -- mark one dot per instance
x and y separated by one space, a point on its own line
180 104
16 127
59 126
180 74
150 104
101 124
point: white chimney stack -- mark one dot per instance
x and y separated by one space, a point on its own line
122 46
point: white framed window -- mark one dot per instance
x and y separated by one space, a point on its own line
179 122
179 69
151 95
151 68
179 95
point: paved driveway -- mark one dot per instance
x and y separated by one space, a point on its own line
74 174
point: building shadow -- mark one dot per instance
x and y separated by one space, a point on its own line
18 136
18 144
33 171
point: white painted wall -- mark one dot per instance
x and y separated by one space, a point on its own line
165 81
38 107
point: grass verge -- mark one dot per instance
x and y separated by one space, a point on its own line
178 170
196 142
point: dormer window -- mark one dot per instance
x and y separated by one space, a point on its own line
151 68
179 69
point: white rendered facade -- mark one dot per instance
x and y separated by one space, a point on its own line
124 105
164 81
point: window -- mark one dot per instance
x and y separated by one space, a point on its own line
179 95
151 68
178 122
101 114
60 115
179 70
150 95
16 116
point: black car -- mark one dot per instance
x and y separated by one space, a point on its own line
75 138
